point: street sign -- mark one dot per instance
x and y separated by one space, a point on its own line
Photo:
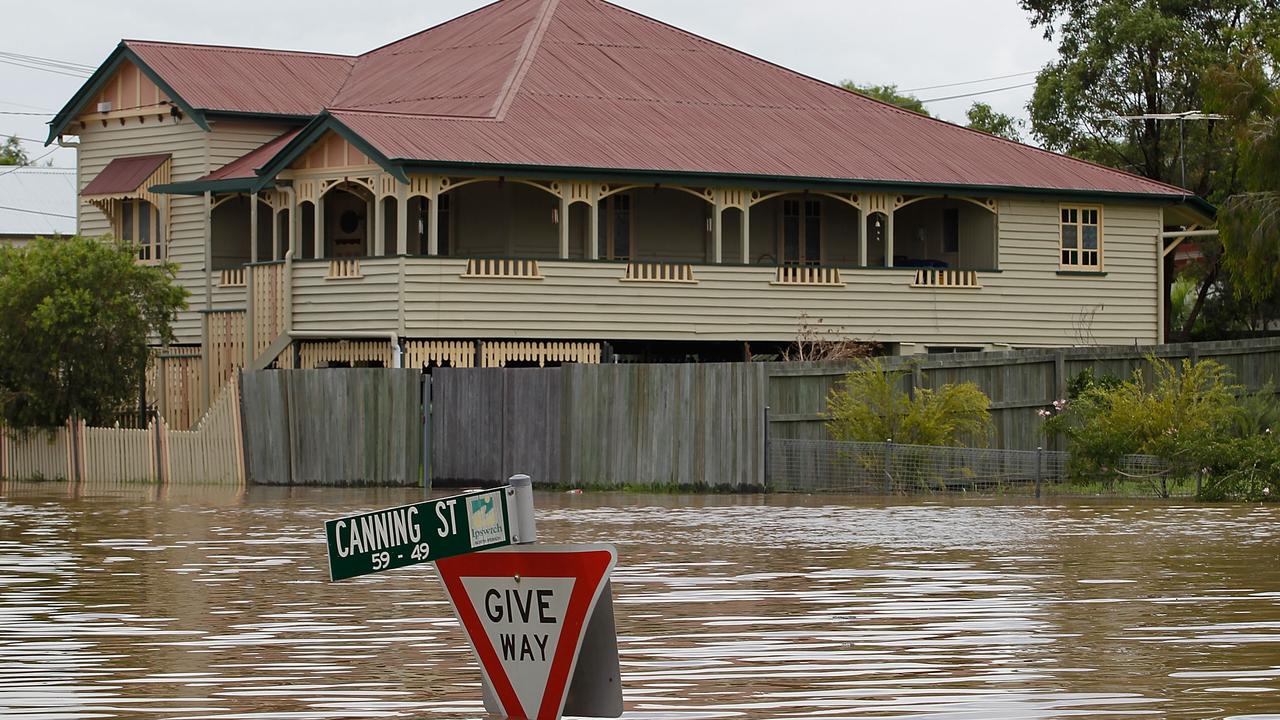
525 610
418 533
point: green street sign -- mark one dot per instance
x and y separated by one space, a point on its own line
418 533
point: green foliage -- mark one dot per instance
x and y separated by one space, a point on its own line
1171 418
1243 469
75 316
1087 381
870 405
11 153
984 118
889 94
1192 417
1122 58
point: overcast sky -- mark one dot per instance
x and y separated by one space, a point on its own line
914 44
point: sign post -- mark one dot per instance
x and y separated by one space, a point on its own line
530 612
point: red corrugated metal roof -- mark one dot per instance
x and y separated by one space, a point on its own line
245 166
124 175
587 84
245 79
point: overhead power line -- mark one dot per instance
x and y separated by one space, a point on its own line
971 82
32 162
980 92
50 62
55 71
32 114
37 212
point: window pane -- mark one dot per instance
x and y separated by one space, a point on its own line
602 237
442 225
1090 237
622 228
1069 236
813 234
1066 215
790 238
144 223
126 220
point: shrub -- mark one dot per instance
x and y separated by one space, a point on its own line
871 405
75 317
1173 420
1243 469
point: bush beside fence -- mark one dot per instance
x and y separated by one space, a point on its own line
894 469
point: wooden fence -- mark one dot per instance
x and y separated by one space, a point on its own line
333 427
1019 382
685 425
601 425
209 453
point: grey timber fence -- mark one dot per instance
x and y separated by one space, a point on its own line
333 427
1019 382
601 425
490 423
723 426
892 469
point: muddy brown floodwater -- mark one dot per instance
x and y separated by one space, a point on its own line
212 603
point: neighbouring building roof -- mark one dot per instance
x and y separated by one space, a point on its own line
584 85
37 201
124 175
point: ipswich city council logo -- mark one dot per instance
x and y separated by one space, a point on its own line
484 516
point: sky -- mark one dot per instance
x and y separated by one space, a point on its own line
914 44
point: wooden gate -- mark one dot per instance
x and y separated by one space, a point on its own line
490 423
333 427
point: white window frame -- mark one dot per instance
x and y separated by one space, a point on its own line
802 227
1077 259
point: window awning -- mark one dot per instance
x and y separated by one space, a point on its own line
129 177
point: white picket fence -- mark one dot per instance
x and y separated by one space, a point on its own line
212 452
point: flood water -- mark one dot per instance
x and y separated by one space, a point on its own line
212 603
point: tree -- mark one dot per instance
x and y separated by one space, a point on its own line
11 152
889 94
1119 58
1123 58
870 405
1249 91
75 317
984 118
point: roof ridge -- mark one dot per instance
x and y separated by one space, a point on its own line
424 31
239 48
525 58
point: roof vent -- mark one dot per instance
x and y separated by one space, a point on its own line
104 107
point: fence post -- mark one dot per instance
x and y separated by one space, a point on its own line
4 453
1199 483
888 466
768 452
1039 470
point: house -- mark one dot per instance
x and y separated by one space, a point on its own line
567 180
36 202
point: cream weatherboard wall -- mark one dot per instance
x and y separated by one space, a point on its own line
185 141
1027 303
195 154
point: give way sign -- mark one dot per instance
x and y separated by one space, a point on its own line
525 610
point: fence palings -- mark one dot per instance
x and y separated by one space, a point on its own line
211 452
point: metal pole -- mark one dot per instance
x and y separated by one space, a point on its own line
768 456
426 434
888 466
1040 469
520 499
